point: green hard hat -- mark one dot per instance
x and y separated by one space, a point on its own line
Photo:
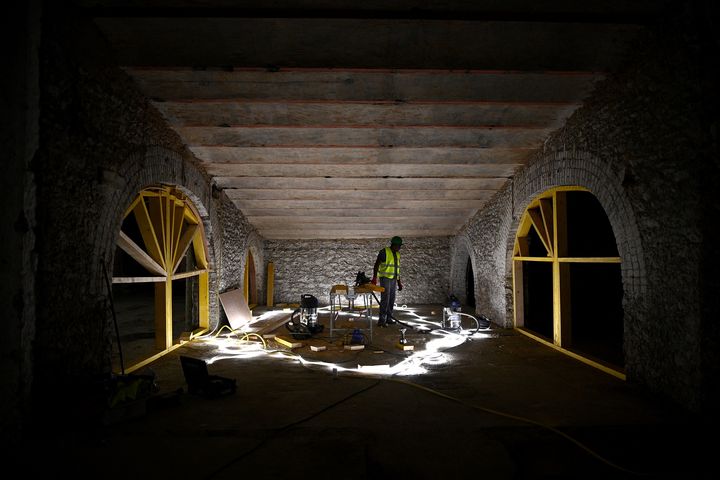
396 241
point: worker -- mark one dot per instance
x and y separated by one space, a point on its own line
387 268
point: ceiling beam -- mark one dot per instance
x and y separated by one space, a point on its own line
359 204
359 212
361 171
483 136
362 156
333 234
376 195
349 183
368 217
365 85
321 114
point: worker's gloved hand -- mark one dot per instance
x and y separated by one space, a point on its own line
399 285
374 281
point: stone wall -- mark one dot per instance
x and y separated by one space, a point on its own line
231 258
644 145
101 143
314 266
19 141
484 241
238 238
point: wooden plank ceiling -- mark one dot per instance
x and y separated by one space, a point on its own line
343 121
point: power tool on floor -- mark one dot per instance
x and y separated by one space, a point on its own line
452 317
304 322
451 314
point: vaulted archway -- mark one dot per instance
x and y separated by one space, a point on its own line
567 279
161 274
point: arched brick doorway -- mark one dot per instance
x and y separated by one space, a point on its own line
567 279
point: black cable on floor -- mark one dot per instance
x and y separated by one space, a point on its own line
290 425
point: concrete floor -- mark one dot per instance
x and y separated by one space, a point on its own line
499 406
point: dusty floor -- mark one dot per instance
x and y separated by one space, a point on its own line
493 405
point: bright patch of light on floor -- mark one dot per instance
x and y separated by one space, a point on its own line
260 321
268 314
412 311
299 359
480 335
433 352
445 341
230 347
373 368
413 368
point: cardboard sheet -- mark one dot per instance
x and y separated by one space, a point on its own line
236 309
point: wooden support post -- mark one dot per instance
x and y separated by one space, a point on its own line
204 300
270 283
561 274
246 279
163 314
518 298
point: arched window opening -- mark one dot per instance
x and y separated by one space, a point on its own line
567 279
160 277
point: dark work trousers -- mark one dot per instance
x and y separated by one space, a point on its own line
387 299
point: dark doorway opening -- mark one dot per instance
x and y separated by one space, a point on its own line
250 280
469 285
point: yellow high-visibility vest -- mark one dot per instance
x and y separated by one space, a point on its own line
388 268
